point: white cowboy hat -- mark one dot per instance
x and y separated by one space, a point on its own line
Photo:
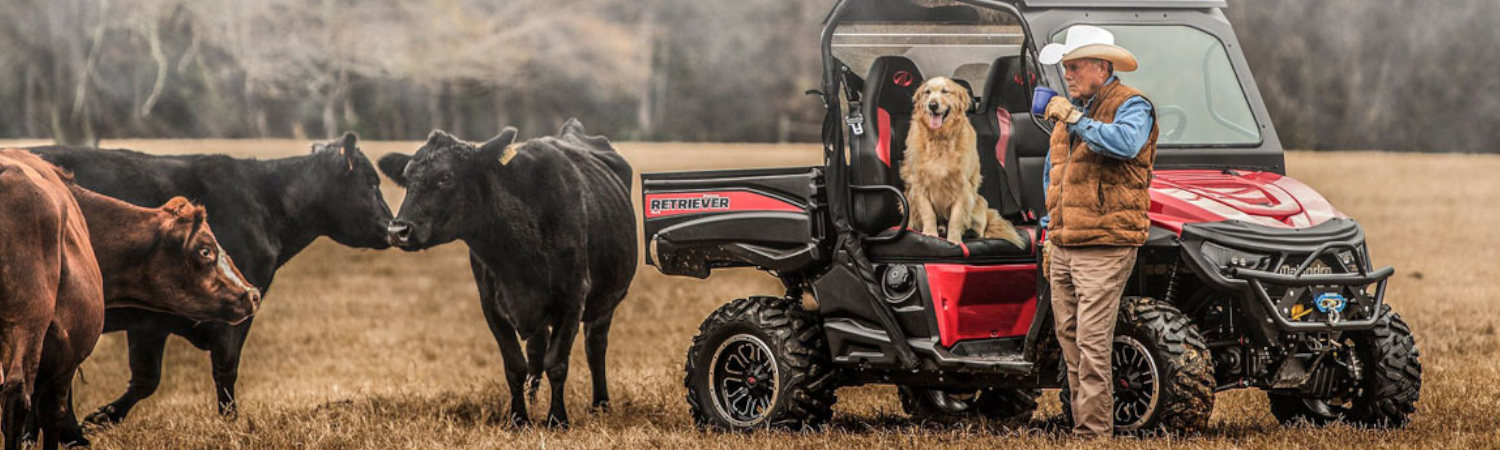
1088 41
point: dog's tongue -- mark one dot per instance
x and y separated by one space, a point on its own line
934 122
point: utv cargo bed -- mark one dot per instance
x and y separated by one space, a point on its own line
767 218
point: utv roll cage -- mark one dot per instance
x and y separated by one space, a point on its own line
1037 19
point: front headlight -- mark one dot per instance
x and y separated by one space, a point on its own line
1226 257
1348 260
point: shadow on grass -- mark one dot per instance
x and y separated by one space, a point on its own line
481 408
486 407
489 407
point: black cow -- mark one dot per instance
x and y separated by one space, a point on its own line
264 212
551 237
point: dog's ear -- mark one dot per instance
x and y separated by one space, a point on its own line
965 100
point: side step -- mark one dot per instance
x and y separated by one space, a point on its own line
1008 364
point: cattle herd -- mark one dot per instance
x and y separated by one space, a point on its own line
94 241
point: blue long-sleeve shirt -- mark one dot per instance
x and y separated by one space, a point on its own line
1122 139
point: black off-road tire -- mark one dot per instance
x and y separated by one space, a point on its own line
1007 405
1386 396
804 381
1184 373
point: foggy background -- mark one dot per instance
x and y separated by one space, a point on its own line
1336 74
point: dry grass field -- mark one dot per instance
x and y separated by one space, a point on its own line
367 349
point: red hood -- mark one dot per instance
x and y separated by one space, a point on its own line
1188 196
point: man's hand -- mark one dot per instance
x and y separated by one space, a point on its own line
1060 109
1047 258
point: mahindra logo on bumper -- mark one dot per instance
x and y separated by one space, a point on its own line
1317 268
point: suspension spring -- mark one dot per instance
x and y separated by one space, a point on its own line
1170 296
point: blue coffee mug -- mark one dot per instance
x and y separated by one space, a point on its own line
1040 98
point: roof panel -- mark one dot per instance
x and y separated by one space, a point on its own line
1124 3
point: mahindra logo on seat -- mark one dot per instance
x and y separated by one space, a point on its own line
902 78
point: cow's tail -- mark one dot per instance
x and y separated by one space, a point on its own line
600 147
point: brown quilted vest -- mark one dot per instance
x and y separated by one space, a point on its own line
1095 199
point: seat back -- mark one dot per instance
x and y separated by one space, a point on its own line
889 88
1011 142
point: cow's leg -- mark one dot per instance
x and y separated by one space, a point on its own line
224 353
13 408
71 433
30 429
515 361
16 357
506 338
595 343
146 349
564 330
51 409
536 352
41 412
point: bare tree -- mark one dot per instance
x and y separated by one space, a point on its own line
1334 73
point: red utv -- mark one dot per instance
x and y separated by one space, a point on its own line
1250 279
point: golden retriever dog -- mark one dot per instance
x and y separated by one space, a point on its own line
941 169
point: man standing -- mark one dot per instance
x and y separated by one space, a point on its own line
1097 176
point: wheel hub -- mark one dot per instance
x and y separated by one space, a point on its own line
744 377
1137 391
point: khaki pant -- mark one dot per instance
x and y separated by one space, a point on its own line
1086 286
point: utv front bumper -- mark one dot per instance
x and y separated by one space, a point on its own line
1302 279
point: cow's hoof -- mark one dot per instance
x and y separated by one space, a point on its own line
601 406
76 442
105 417
515 420
557 423
28 439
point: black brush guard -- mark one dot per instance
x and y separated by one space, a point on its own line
1283 247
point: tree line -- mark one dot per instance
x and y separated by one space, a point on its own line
1336 74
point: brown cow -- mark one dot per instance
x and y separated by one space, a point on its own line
165 259
56 280
47 272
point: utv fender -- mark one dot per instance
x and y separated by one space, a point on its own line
1158 237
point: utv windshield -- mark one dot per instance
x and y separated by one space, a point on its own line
1188 77
948 39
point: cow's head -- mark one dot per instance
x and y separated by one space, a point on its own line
339 193
443 179
186 272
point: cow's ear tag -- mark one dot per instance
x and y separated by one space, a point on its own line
347 160
507 154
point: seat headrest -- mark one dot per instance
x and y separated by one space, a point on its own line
1005 86
965 83
892 82
974 72
973 106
